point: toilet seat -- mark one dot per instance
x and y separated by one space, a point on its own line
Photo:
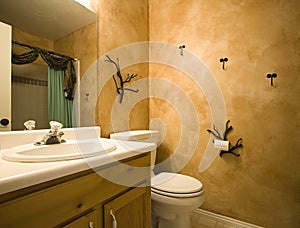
176 185
177 195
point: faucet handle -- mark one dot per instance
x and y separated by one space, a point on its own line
29 124
55 126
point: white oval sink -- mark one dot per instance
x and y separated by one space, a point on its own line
72 149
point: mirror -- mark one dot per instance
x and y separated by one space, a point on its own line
65 27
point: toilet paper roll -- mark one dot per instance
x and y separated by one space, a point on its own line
221 145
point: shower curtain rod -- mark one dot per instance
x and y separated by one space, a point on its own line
32 47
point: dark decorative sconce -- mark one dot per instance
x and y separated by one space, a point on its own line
274 75
120 88
181 47
223 61
223 138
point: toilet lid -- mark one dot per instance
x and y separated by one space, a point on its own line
175 183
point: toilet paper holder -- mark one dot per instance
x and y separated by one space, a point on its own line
231 148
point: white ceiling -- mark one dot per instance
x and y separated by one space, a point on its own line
51 19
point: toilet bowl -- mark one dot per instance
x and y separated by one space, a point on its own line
173 196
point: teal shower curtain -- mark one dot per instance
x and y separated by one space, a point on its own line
59 108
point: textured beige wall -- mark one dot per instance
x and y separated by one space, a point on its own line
27 38
81 44
121 23
259 37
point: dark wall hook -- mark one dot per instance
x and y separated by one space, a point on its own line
181 47
223 61
119 80
274 75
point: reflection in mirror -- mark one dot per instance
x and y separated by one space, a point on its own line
61 81
29 91
65 27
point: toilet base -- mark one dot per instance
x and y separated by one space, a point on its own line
170 219
180 221
168 212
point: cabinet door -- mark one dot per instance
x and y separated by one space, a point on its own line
130 210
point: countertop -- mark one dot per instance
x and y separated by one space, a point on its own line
18 175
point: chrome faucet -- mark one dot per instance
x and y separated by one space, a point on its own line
54 135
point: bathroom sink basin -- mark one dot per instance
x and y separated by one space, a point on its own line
72 149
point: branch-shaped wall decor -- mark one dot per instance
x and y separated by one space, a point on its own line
231 148
119 82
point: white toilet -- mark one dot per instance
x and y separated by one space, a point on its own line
173 196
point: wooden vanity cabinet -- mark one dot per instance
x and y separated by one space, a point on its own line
87 200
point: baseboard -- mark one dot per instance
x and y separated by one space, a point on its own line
209 219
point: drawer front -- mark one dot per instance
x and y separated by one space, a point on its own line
89 221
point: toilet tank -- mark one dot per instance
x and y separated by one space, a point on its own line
151 136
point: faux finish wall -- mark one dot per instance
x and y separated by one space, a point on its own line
81 44
258 37
121 23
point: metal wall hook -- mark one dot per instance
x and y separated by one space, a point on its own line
274 75
181 47
223 61
87 94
